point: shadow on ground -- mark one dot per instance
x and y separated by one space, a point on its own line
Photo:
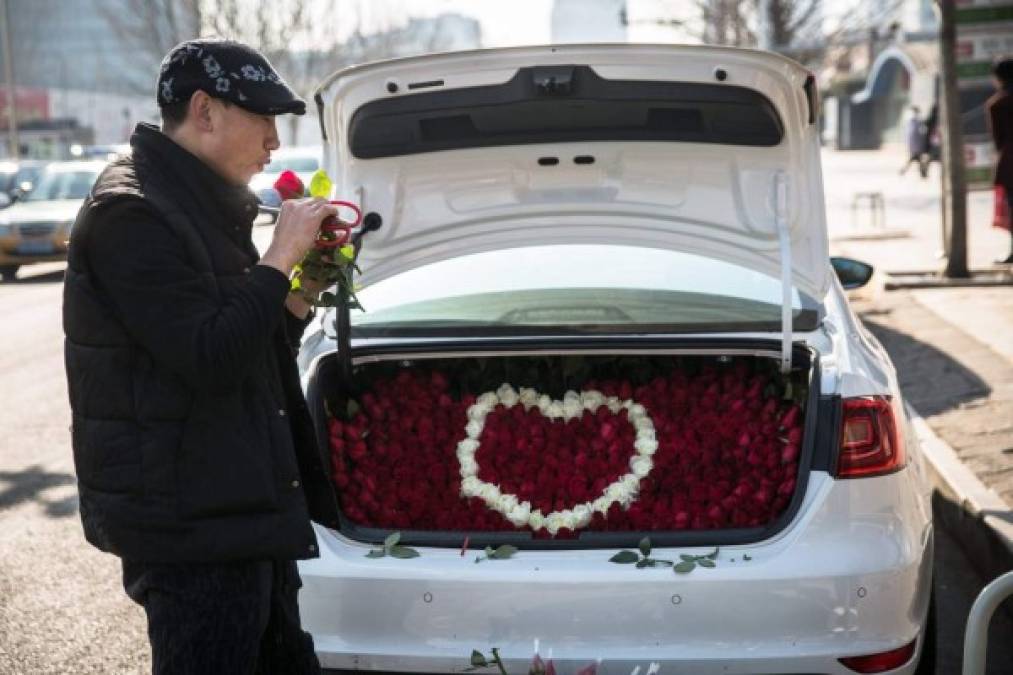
956 586
18 487
931 380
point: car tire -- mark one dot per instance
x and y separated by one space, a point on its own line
927 662
8 272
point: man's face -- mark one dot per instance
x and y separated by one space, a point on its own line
240 142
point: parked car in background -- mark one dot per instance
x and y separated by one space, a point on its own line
107 152
633 230
18 178
36 228
304 161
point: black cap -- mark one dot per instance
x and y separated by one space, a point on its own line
227 70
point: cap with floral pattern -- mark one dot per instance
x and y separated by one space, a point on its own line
228 70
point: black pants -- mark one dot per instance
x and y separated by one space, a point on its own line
225 618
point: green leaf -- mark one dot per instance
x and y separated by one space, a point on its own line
713 555
477 659
685 567
688 558
376 553
504 552
391 541
403 552
489 551
624 557
352 408
645 546
641 564
656 562
704 562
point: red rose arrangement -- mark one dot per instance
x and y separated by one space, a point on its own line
727 455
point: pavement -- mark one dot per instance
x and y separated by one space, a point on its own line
953 346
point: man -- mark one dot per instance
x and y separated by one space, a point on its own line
999 114
194 449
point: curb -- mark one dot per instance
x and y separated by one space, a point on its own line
874 234
974 514
894 281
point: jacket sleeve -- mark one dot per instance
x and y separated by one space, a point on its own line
295 327
164 303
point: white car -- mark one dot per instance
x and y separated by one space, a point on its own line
582 233
303 160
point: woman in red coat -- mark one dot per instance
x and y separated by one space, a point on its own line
1000 119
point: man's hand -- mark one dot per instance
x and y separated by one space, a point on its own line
298 224
296 303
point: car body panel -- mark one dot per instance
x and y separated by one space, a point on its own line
849 576
717 200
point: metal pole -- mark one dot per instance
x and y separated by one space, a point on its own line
12 109
976 633
955 187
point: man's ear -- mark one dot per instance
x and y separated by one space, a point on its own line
200 111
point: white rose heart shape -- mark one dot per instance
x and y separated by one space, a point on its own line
623 490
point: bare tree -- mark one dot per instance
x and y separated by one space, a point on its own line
726 22
796 28
299 37
150 28
787 20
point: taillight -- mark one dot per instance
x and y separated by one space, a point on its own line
882 662
871 444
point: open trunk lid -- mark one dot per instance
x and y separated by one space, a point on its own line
711 151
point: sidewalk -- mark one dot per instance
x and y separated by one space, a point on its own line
910 238
953 347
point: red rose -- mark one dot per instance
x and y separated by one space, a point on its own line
289 185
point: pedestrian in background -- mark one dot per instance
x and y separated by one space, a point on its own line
194 449
1000 124
914 134
930 138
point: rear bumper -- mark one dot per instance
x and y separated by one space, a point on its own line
850 576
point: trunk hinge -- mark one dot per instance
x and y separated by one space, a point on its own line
784 242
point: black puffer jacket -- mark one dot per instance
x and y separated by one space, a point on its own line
192 441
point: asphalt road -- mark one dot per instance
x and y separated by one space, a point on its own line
62 609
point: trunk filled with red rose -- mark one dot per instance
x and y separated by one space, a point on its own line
585 448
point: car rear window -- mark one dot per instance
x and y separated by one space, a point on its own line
576 289
554 104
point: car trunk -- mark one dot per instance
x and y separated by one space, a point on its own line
735 441
642 147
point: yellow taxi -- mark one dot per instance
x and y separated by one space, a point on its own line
37 226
